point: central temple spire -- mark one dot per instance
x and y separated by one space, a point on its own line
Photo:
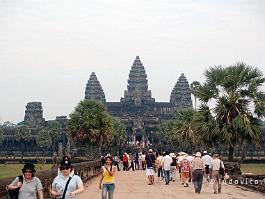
137 82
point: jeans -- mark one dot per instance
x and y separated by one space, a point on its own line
108 188
197 180
167 176
160 172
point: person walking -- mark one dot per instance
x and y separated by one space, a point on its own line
214 173
136 161
125 161
159 166
150 162
173 167
107 180
207 162
30 187
166 161
143 160
197 170
185 169
67 185
116 161
131 161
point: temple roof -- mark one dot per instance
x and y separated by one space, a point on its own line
94 89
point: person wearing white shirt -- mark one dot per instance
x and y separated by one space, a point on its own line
214 172
166 162
207 162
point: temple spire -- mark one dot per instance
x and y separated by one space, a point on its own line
181 93
137 82
94 90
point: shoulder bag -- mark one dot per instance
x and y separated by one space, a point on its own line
13 194
221 169
65 189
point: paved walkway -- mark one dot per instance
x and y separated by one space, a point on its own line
133 185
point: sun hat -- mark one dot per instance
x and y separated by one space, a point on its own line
182 153
198 154
29 166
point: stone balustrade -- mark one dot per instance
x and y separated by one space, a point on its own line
85 170
252 181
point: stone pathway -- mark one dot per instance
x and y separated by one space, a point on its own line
133 185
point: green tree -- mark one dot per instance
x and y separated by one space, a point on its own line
181 132
23 135
90 124
119 133
185 130
1 135
44 139
235 90
194 87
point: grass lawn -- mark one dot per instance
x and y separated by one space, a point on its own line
10 170
253 168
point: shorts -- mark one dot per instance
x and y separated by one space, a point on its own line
150 172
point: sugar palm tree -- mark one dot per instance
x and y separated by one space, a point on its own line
90 124
239 103
194 86
185 131
23 135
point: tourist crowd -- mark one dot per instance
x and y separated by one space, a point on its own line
190 167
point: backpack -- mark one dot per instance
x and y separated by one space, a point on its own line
125 158
13 194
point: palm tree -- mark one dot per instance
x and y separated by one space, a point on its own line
90 123
181 132
185 131
23 136
194 86
239 103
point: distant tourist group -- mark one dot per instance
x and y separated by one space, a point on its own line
191 168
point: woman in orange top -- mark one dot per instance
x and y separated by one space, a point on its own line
107 179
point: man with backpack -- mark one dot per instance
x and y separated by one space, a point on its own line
125 161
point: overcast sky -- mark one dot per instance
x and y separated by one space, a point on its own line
48 48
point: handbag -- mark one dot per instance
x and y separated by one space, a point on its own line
221 169
13 194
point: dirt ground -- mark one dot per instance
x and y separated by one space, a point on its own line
133 185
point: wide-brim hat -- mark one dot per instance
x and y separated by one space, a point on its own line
182 153
29 166
198 154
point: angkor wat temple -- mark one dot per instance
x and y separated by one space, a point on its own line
138 110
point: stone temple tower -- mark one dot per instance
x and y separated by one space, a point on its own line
34 115
94 90
181 93
137 87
